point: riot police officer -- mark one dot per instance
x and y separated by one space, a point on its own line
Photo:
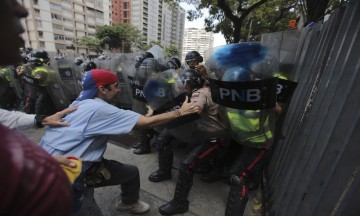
145 65
89 65
209 131
174 63
8 95
193 60
252 120
39 100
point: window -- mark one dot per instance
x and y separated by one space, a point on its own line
78 7
79 16
42 44
37 12
60 46
67 13
68 30
41 34
38 23
80 25
58 27
68 23
59 37
80 34
126 5
91 20
98 3
55 7
56 16
35 2
99 20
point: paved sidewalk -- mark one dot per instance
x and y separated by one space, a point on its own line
206 199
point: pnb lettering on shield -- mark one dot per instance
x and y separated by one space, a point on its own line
139 93
243 95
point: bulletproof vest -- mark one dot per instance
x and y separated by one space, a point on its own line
42 74
5 74
251 126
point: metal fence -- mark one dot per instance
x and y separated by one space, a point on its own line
315 165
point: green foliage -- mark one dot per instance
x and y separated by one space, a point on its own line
120 36
172 50
233 17
225 16
91 43
272 16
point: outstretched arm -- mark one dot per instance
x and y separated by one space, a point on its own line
55 119
23 121
161 119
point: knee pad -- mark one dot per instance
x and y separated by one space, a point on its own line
160 145
236 180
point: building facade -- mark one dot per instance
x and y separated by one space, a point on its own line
197 39
158 21
56 25
146 15
173 26
121 11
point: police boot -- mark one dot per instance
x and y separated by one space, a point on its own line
165 166
179 204
238 197
144 148
137 145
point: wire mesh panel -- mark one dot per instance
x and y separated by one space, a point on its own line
315 163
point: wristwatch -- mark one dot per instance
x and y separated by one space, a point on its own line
38 120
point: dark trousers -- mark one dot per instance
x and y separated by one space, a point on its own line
127 176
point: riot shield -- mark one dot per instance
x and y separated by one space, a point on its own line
120 64
103 62
244 90
156 51
159 89
147 68
163 95
10 89
65 85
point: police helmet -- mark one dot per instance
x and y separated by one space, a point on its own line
103 57
173 63
150 66
36 61
148 55
190 77
140 58
24 58
78 61
238 74
40 53
89 66
193 55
